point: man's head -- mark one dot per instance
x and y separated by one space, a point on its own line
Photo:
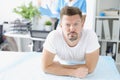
71 22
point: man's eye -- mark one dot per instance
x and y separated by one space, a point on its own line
68 25
75 24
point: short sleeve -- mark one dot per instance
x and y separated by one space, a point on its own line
92 42
49 43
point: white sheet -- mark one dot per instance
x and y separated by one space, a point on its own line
26 66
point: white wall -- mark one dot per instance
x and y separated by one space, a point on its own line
90 19
112 4
6 9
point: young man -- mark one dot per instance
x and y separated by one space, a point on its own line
77 49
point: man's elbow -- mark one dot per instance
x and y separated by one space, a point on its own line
48 68
45 69
91 70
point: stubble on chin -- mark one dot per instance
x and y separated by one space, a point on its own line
72 36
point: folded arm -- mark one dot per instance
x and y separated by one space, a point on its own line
91 62
49 66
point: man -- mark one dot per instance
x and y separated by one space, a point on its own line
77 49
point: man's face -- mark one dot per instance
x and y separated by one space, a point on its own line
71 27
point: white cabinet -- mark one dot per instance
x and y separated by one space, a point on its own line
107 27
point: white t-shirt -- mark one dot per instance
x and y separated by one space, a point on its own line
56 44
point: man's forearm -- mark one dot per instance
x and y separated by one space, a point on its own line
90 69
74 66
58 69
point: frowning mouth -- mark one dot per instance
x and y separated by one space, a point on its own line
72 33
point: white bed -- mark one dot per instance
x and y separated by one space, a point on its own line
26 66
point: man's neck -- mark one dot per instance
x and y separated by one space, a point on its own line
72 43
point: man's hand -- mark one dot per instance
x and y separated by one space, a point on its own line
80 72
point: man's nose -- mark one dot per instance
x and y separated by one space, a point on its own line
72 28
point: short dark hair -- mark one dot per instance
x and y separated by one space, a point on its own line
67 10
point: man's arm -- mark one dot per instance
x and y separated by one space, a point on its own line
91 62
49 66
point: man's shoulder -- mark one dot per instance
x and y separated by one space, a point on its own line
54 34
88 31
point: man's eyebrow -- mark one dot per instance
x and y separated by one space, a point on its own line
78 20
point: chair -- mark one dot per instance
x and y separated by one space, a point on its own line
38 38
1 34
4 46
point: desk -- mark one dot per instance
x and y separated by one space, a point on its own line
21 35
27 66
18 36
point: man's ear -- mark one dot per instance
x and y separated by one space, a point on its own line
83 20
60 24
